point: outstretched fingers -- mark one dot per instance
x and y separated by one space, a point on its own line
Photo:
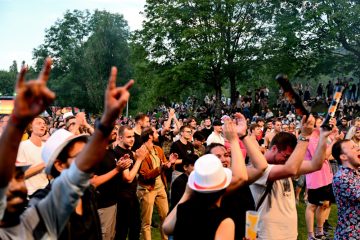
45 72
123 92
129 84
112 78
21 78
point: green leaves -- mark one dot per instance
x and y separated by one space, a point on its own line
84 46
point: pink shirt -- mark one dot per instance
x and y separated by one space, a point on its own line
321 177
242 147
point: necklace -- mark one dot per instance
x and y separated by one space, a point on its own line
151 153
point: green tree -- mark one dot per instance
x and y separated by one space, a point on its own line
84 46
213 38
107 46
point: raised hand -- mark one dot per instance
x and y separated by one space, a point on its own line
230 130
32 97
123 163
173 157
241 124
307 125
115 99
141 153
324 133
171 113
80 118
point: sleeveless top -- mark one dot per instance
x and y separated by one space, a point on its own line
194 222
236 204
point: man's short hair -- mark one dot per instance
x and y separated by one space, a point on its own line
190 159
253 126
198 136
122 129
282 140
183 127
140 116
146 133
259 119
336 150
211 146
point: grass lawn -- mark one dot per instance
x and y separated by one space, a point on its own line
301 222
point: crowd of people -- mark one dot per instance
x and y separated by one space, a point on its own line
65 177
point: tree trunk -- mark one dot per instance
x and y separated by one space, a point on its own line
217 85
232 79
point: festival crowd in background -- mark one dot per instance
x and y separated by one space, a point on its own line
66 175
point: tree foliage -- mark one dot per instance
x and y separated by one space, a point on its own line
84 46
212 38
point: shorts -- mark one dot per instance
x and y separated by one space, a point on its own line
319 195
300 181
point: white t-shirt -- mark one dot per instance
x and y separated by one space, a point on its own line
215 138
280 220
30 154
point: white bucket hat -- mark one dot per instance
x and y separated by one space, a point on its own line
209 175
67 114
55 144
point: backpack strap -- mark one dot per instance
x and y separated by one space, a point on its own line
267 191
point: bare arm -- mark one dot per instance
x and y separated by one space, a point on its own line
140 154
322 151
33 170
170 221
99 180
238 167
258 160
292 165
32 97
115 101
121 165
226 230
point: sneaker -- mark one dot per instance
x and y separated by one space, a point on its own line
327 226
328 229
314 238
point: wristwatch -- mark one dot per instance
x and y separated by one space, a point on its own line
106 130
302 138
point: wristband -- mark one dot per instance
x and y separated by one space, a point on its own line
302 138
106 130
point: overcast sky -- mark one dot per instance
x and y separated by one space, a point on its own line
23 22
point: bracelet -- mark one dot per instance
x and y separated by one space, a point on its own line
302 138
242 137
106 130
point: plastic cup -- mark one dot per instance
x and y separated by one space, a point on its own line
252 219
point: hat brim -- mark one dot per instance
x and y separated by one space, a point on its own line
22 168
58 150
225 184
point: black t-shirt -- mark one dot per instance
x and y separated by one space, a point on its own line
137 143
206 132
194 222
107 191
178 188
124 187
183 150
